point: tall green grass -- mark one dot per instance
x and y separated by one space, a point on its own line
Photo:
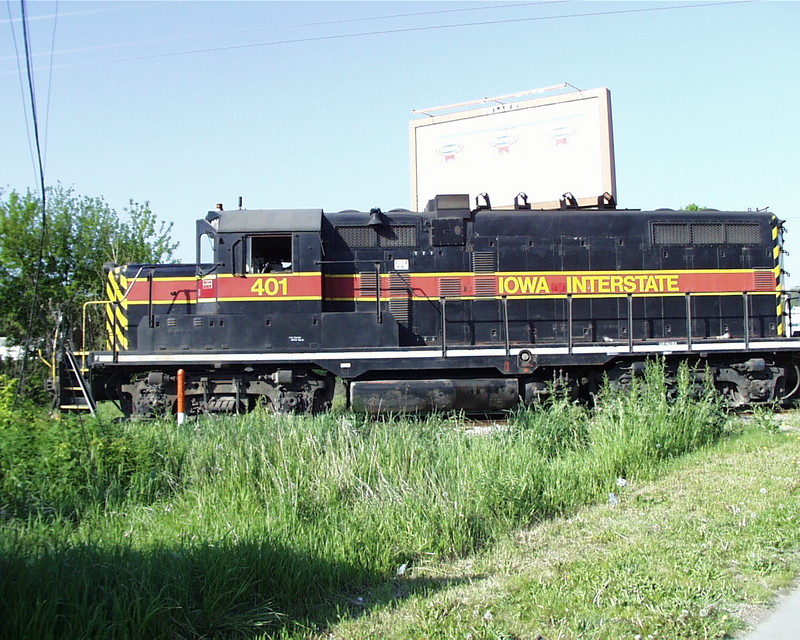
272 524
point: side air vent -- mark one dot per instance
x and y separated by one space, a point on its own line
708 234
668 233
484 262
367 237
449 287
743 233
399 298
485 286
367 285
699 233
358 236
764 280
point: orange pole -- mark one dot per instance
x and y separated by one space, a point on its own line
181 396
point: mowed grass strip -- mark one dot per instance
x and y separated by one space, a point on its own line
689 555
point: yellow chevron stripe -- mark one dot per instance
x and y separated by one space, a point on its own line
109 316
122 319
113 310
116 292
121 339
123 283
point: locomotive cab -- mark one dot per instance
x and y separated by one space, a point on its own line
265 271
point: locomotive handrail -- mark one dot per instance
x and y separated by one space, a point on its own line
569 323
505 326
444 327
83 327
630 339
199 274
378 314
746 314
787 301
113 315
630 322
133 282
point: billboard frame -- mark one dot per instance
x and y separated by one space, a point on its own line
602 94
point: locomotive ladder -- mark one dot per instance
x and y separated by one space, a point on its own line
74 392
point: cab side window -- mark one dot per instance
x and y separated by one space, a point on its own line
270 254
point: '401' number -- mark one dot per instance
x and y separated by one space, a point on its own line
269 287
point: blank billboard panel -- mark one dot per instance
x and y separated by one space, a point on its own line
544 147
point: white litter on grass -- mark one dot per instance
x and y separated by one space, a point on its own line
483 430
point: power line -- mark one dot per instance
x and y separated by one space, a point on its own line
362 34
433 27
43 232
32 94
219 34
81 13
50 83
21 88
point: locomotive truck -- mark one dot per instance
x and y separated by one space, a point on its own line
456 307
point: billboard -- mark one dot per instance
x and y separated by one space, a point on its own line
543 146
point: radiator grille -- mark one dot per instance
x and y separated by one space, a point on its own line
708 234
670 233
680 233
358 236
401 235
365 237
743 233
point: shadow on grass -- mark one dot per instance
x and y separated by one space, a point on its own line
230 589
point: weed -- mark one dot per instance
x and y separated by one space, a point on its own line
232 525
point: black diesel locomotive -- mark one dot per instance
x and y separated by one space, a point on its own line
451 308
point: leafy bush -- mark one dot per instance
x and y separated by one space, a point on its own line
61 467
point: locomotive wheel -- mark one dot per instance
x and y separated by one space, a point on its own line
310 392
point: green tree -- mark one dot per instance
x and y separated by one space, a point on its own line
47 273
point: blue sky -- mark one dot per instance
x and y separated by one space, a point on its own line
307 104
